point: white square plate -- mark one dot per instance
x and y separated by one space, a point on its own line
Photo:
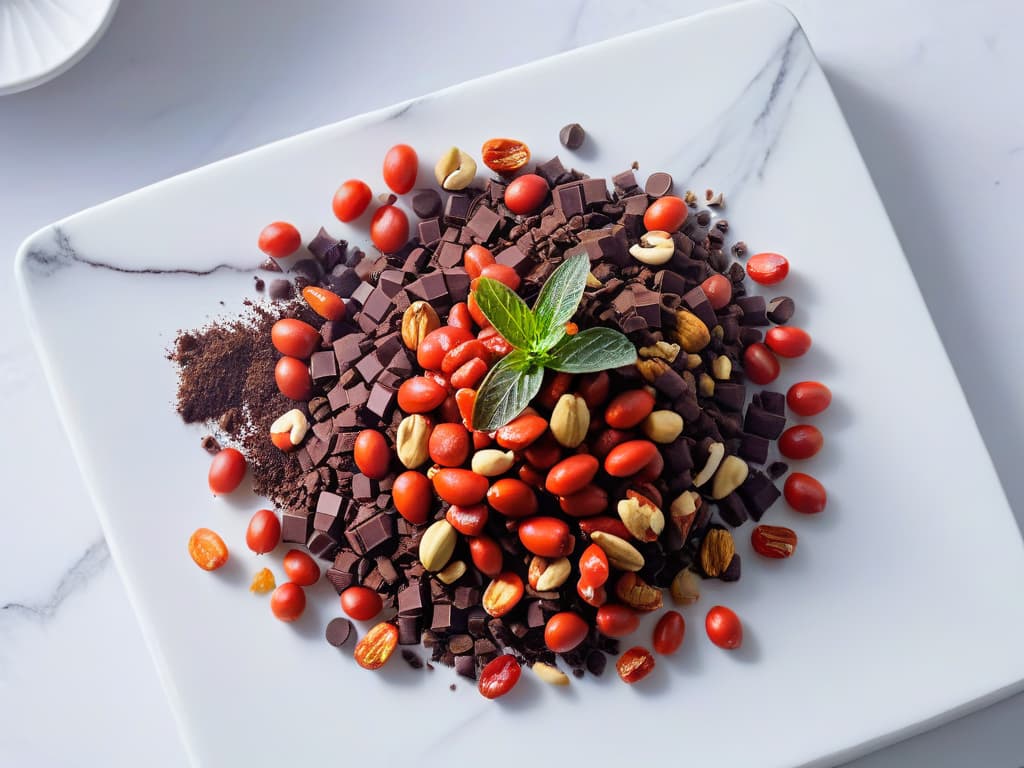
901 606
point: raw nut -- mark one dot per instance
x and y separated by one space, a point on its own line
685 587
663 426
641 517
491 462
683 511
289 429
437 545
544 574
418 320
715 453
731 474
412 440
374 650
651 368
691 332
716 551
662 350
621 554
452 572
592 281
722 368
550 674
570 420
707 385
638 594
654 249
718 332
434 469
693 362
455 170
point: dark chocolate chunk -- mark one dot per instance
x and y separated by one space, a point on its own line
370 367
658 184
456 281
321 545
774 402
426 203
323 367
749 336
295 527
361 293
338 631
568 199
596 662
732 510
382 400
483 223
777 469
730 395
754 310
551 171
697 302
732 571
280 289
456 208
754 448
390 281
340 580
759 493
372 535
411 600
514 258
572 135
625 181
759 421
449 255
466 666
409 632
781 309
595 192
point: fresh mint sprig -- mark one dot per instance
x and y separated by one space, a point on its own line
539 340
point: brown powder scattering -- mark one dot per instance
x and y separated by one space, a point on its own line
226 376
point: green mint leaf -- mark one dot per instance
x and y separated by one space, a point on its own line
592 350
507 312
506 390
559 299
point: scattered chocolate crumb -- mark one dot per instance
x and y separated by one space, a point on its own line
210 444
281 289
451 687
258 282
777 469
412 659
430 666
739 249
269 265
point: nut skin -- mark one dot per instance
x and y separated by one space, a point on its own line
663 426
641 516
570 420
437 545
774 541
418 320
683 511
716 552
638 594
691 332
455 170
374 650
621 554
634 664
289 429
502 594
685 587
412 440
731 474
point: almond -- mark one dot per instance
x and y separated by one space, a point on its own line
716 551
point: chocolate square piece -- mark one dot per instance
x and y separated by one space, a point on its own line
364 488
340 580
595 191
370 367
323 366
483 222
551 170
755 311
759 493
515 258
456 208
295 527
361 293
381 401
449 255
457 284
754 448
568 198
391 281
430 233
759 421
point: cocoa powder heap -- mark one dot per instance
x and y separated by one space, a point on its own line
226 378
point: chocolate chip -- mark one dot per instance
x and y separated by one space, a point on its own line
426 203
777 469
338 631
412 659
280 289
210 444
781 309
658 184
572 135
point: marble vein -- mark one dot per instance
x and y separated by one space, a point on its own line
47 261
91 562
738 142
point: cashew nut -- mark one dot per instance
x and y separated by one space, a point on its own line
655 248
455 170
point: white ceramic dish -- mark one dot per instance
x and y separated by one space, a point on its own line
40 39
901 607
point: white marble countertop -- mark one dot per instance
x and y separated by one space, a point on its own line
928 89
